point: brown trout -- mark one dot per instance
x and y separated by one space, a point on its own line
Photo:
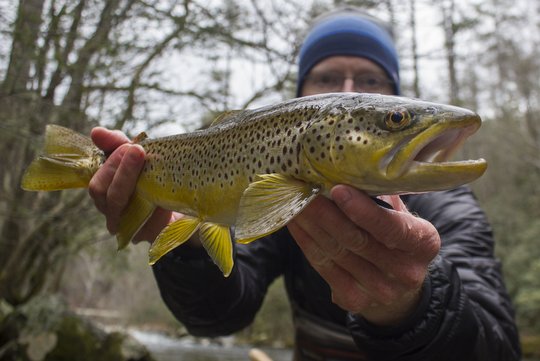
255 170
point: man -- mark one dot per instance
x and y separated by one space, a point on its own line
365 282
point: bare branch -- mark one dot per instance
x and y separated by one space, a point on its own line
158 49
99 40
62 55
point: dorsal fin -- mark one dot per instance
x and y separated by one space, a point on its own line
225 116
140 137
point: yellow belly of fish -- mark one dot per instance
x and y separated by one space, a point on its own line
212 202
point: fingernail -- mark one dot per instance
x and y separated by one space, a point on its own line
133 153
341 194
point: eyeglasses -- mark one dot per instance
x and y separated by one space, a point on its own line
333 81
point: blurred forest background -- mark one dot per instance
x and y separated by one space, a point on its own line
169 66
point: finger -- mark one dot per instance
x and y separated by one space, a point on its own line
328 238
334 275
396 202
362 210
327 226
320 231
387 226
324 221
100 182
334 238
354 281
108 140
312 251
123 184
333 231
395 229
157 221
347 292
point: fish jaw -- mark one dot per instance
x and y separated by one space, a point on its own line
423 157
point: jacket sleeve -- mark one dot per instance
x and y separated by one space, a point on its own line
465 313
209 304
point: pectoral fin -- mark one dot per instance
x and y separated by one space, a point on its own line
216 239
136 214
269 204
173 236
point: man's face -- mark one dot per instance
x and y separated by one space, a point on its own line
347 74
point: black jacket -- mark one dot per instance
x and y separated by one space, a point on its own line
465 313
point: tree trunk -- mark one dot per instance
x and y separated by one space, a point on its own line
414 49
24 46
449 27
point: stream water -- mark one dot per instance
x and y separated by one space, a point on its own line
165 348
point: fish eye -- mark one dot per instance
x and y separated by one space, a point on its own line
397 119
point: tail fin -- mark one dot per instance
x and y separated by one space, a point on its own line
70 161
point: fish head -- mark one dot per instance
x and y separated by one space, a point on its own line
391 145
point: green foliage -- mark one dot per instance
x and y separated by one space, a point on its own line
530 346
510 196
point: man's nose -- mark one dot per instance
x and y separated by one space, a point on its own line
348 85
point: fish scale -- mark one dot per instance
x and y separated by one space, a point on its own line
221 164
255 170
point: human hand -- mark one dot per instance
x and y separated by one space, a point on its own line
374 259
115 181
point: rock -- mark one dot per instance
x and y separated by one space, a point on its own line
45 330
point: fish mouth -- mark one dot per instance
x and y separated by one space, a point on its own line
427 153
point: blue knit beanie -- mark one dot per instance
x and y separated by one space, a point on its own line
353 33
